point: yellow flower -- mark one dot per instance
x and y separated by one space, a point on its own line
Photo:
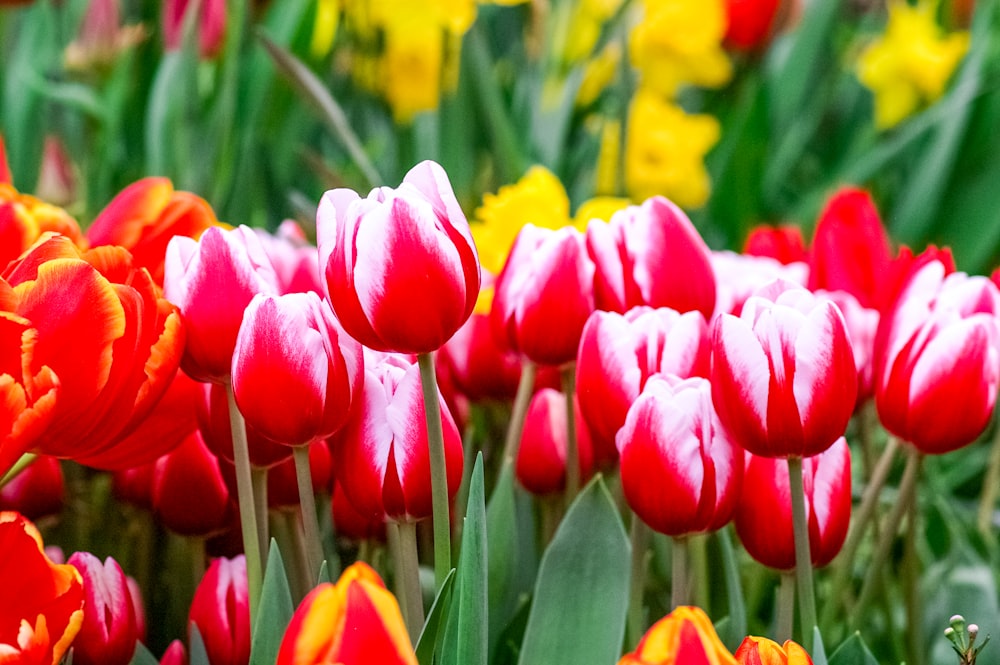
598 73
599 207
411 65
607 175
665 151
679 42
324 27
910 64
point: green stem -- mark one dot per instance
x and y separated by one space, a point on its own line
248 512
196 545
698 558
439 470
991 485
639 535
520 411
410 573
399 578
678 572
307 509
803 558
22 463
785 621
572 449
911 596
258 480
907 490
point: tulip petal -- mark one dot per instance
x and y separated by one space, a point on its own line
741 382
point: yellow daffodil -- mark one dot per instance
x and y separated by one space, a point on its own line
911 63
665 150
598 73
324 27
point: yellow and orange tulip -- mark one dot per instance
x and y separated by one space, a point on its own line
683 637
762 651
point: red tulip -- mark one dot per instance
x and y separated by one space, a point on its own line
143 218
134 486
189 494
213 423
762 651
862 324
210 23
784 380
739 275
349 523
355 620
937 373
43 602
750 23
295 371
686 636
5 176
175 654
282 485
783 243
57 182
108 633
37 491
544 295
851 249
212 281
541 457
401 267
381 455
680 471
135 593
651 255
764 511
619 353
221 611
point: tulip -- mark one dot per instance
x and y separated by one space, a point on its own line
750 23
381 455
295 372
37 491
221 611
215 428
295 261
784 379
683 637
651 255
210 23
355 620
544 295
401 268
739 275
764 514
102 38
43 602
850 248
349 523
56 180
618 353
23 220
541 458
108 634
938 350
134 486
175 654
143 218
783 243
135 593
189 494
680 470
5 176
762 651
862 324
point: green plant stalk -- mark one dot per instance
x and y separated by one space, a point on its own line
639 534
307 510
568 374
678 572
258 480
911 596
20 465
803 558
907 492
248 511
519 412
785 620
410 573
439 470
398 583
991 485
698 564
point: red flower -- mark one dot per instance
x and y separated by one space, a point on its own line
680 471
221 610
210 23
544 295
764 512
189 494
295 261
762 651
401 267
750 23
739 275
541 457
862 324
215 428
37 491
784 379
24 218
43 602
175 654
348 522
282 485
939 359
651 255
109 632
295 371
355 620
618 353
783 243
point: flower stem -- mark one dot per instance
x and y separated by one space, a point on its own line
248 512
678 572
785 622
991 485
520 411
398 578
572 449
410 572
439 470
20 465
639 535
307 508
258 480
911 596
803 558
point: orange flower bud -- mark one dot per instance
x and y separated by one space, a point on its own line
762 651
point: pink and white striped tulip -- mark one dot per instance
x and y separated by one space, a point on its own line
618 353
109 632
862 324
784 379
401 267
737 276
681 472
939 366
295 371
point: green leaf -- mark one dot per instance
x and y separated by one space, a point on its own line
275 611
736 627
142 656
581 596
324 573
853 651
197 655
466 638
818 651
432 636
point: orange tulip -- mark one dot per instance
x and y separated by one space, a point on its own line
88 345
43 602
143 218
355 620
683 637
24 218
762 651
